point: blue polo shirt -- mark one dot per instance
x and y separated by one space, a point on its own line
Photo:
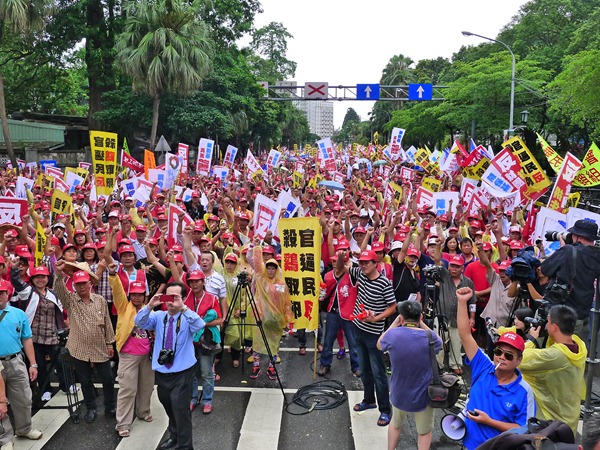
14 327
512 402
190 323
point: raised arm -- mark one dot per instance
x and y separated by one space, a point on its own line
465 294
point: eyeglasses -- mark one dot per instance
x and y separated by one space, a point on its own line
507 355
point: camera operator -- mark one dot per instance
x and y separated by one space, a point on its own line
173 360
555 373
452 279
579 272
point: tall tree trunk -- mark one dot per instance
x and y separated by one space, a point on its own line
155 107
5 132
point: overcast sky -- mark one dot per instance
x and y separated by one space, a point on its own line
349 42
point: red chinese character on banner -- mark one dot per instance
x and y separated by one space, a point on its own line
110 156
308 307
290 262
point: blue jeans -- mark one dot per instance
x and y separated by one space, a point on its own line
334 322
204 370
374 377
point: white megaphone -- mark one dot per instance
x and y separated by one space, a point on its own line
453 426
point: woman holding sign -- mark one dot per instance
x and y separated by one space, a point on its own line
273 303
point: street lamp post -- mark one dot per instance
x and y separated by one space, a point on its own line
512 78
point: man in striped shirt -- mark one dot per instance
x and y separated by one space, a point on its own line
376 298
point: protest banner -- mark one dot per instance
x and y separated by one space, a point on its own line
407 173
297 180
300 262
254 169
183 151
173 165
266 215
173 215
467 189
72 180
104 160
22 185
503 172
442 204
149 163
61 202
422 159
554 159
129 162
424 197
396 143
327 154
230 155
535 178
12 209
431 184
205 153
589 174
273 159
562 186
40 243
288 204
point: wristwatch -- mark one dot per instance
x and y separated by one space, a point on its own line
35 366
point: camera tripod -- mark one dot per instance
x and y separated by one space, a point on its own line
64 369
522 299
242 286
434 311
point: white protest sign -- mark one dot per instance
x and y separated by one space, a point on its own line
266 216
22 185
288 203
73 180
441 202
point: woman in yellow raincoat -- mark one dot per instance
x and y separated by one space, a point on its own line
273 303
234 329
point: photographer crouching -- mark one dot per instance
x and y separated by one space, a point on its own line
572 270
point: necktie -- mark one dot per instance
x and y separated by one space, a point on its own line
169 342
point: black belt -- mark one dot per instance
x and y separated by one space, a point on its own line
9 357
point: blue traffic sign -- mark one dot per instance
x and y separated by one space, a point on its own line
420 91
367 92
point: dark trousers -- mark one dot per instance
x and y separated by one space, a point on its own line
372 365
53 351
85 373
175 395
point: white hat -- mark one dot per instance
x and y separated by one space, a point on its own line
113 213
364 213
396 245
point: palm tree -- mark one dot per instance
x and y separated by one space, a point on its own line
397 72
165 46
20 17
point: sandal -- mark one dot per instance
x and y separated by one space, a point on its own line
319 348
147 419
217 377
124 433
384 420
362 406
302 351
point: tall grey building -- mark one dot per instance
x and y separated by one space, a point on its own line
319 115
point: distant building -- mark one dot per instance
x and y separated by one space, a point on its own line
319 115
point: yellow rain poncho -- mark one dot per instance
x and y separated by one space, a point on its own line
556 376
273 303
234 328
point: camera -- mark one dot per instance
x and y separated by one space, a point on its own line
63 335
243 278
540 318
523 266
553 236
166 356
432 273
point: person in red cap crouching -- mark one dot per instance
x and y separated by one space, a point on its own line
136 378
91 338
16 338
499 399
45 314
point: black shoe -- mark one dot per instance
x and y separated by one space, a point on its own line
323 370
90 415
112 412
169 443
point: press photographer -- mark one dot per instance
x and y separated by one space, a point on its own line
528 283
572 270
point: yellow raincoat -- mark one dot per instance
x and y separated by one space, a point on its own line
556 376
234 328
273 303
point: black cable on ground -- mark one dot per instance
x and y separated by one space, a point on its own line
326 394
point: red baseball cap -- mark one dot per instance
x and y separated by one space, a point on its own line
512 339
244 216
11 233
343 244
137 287
268 249
413 252
444 218
231 257
141 228
68 246
126 249
377 246
80 277
516 245
486 246
153 241
79 231
452 229
39 270
475 224
457 260
178 258
177 248
213 217
360 230
4 286
368 255
195 275
161 217
504 265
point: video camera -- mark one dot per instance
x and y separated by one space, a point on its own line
243 278
523 266
540 318
63 335
432 273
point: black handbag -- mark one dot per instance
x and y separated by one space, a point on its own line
444 390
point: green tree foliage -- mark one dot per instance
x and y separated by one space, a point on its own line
230 19
270 45
351 116
164 47
575 93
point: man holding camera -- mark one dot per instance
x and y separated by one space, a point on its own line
555 373
173 360
577 265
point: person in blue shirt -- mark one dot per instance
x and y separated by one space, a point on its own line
499 398
15 338
173 360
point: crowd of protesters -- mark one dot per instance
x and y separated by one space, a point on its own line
109 258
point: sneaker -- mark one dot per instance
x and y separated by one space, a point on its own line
7 446
278 359
46 396
271 373
323 370
255 372
33 434
341 353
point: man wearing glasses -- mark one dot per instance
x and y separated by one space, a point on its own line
499 399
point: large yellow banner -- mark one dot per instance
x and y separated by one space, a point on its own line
554 159
61 202
531 171
301 265
104 160
589 174
40 243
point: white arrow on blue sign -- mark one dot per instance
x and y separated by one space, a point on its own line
420 91
367 92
